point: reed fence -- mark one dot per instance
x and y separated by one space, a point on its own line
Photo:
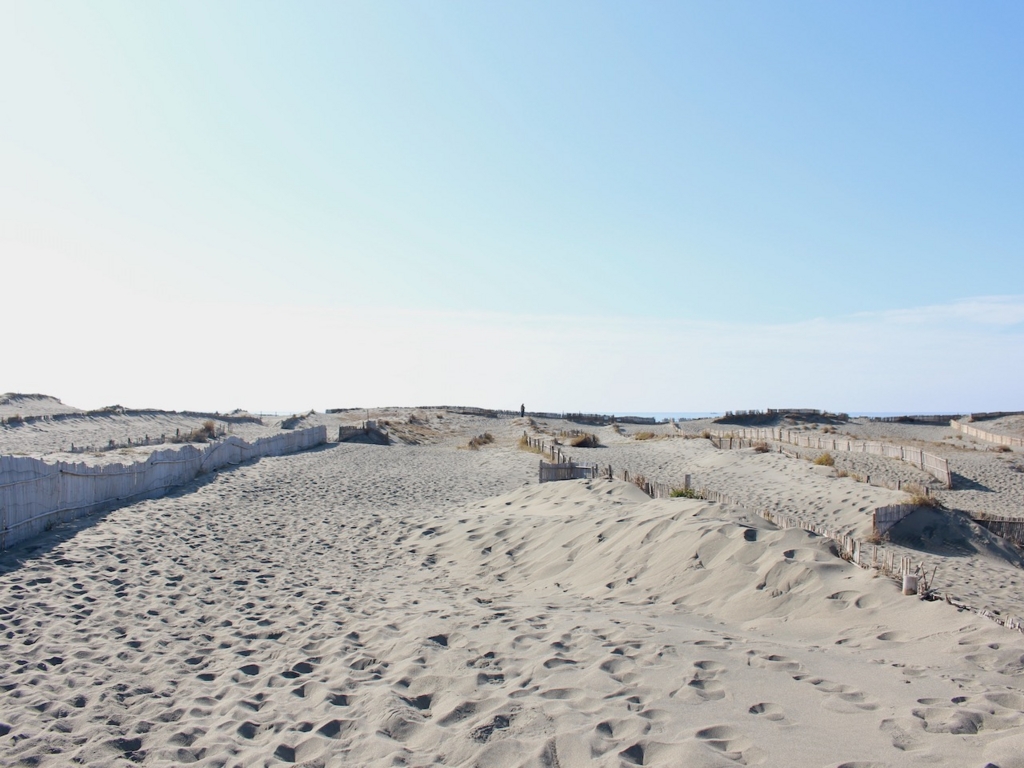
936 466
988 437
36 495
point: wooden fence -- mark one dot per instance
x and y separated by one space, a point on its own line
568 471
936 466
884 518
994 415
652 488
1011 528
369 429
988 437
865 555
886 561
929 419
36 495
552 452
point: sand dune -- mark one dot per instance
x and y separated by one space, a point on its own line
431 605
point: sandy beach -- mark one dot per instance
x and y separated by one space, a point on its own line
423 603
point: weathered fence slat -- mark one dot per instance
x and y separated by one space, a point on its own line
936 466
989 437
35 495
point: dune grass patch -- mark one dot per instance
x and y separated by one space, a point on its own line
479 441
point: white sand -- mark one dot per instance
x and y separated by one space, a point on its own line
430 605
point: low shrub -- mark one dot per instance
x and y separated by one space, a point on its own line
1001 449
585 441
825 460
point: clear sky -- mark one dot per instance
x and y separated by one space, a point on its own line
658 206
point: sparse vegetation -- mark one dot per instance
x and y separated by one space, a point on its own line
585 441
207 431
1001 449
852 475
644 436
685 493
480 440
919 495
706 434
761 447
825 460
524 445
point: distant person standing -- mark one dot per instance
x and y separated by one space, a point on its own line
522 411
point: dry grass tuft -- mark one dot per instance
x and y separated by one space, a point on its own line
825 460
644 436
207 431
585 441
761 447
1001 449
481 440
919 495
524 445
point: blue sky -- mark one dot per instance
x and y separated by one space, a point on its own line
606 206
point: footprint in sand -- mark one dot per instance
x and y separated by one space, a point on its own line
766 710
730 743
839 697
703 685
